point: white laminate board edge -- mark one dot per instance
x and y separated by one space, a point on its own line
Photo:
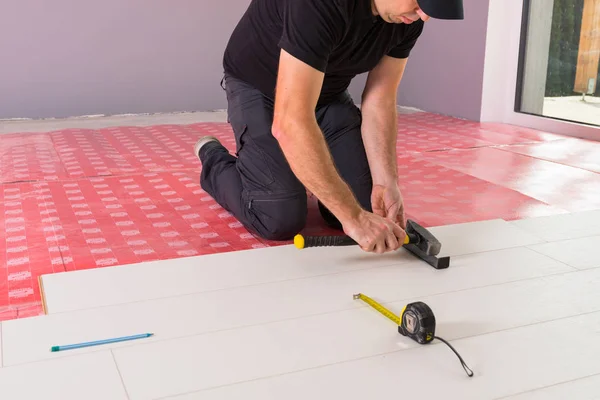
480 236
75 290
159 279
563 226
580 253
505 363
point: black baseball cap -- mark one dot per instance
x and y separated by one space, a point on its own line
443 9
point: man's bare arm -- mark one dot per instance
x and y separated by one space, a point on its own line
300 138
379 127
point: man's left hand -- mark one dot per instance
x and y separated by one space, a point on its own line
387 201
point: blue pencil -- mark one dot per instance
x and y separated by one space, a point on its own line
100 342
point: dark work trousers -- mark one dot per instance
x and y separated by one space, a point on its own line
257 185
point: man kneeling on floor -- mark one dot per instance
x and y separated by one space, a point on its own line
287 66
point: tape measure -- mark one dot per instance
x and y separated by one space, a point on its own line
416 321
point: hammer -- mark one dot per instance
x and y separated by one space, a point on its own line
419 241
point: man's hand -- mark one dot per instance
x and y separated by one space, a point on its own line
387 202
374 233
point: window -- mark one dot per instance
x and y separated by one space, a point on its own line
559 62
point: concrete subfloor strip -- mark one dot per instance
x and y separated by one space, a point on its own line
97 122
102 121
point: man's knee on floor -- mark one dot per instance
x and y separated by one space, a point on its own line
279 216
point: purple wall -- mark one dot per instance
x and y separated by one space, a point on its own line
445 70
67 57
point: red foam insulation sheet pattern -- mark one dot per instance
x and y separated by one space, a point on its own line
77 199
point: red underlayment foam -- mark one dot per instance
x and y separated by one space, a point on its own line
78 198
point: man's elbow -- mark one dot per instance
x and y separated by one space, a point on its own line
287 125
279 128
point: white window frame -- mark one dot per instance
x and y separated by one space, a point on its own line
500 74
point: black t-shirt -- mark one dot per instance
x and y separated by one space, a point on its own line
341 38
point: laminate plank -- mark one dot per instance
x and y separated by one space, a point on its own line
587 388
562 227
89 376
580 253
145 281
28 340
505 363
187 364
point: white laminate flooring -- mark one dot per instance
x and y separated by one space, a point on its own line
123 284
564 226
587 388
505 363
246 306
520 304
91 376
580 253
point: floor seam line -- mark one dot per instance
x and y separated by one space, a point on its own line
413 348
119 372
555 259
548 386
317 314
546 160
296 279
225 289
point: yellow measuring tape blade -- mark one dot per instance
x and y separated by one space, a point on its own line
378 307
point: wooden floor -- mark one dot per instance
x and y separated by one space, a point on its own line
520 302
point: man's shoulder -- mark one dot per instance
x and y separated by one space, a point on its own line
347 8
360 8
